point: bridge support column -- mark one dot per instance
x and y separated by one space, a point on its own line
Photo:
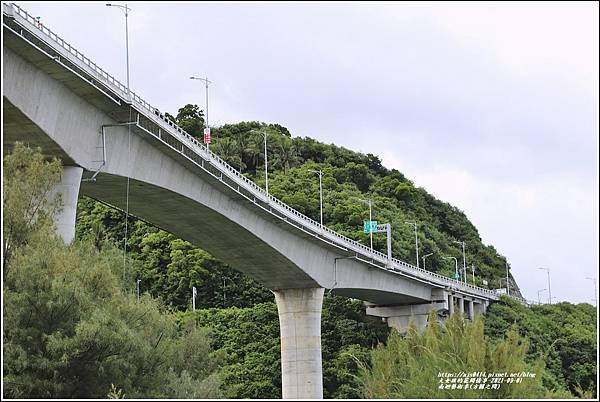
400 317
450 304
300 329
461 305
478 308
402 323
68 188
470 313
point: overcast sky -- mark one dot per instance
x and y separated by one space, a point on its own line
491 107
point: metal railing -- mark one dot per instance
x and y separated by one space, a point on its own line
153 114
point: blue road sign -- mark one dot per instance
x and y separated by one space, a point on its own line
370 226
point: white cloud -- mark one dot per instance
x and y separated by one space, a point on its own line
534 223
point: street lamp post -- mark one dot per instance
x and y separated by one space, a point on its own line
320 173
194 293
456 276
126 10
416 239
538 292
206 82
464 259
507 281
473 270
595 291
549 289
425 256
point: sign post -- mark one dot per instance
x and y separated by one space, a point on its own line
387 228
373 227
370 226
207 135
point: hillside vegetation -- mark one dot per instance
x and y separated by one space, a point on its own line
142 348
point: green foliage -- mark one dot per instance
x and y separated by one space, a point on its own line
191 119
249 338
69 329
346 333
349 176
408 367
26 183
564 333
169 267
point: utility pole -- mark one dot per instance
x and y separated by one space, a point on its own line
137 289
416 239
320 173
194 293
549 289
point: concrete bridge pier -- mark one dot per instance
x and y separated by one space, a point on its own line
450 303
402 323
461 305
400 317
479 308
470 312
68 189
300 329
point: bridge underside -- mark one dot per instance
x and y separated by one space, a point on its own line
383 298
17 127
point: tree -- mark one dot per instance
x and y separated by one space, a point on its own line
241 140
27 182
170 267
69 329
227 149
286 155
249 338
256 151
409 367
191 119
347 333
565 334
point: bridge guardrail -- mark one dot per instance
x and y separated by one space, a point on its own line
153 114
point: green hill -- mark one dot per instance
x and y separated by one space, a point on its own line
348 178
169 267
74 326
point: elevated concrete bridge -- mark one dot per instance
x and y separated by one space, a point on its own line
56 98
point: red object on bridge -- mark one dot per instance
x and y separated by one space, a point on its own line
207 135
